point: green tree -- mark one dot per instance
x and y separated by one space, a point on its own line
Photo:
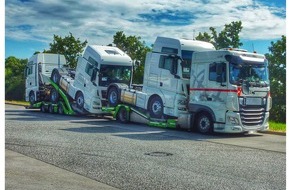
14 78
69 46
136 49
277 72
228 37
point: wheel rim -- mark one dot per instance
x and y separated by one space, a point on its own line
156 107
31 98
55 78
204 124
113 97
80 101
53 96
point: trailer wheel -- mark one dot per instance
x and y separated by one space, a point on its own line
80 100
60 109
50 109
55 76
43 108
156 107
54 95
204 123
123 115
31 98
113 97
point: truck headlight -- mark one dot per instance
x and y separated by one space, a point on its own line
233 120
182 102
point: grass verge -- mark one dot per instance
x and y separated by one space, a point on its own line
22 103
279 127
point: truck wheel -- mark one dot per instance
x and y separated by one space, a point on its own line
80 100
54 95
43 108
55 76
31 98
204 123
60 109
122 115
50 109
113 97
156 107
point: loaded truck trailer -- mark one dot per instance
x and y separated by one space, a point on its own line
210 90
50 84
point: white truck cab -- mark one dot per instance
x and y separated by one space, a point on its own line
230 91
165 87
96 69
38 70
166 80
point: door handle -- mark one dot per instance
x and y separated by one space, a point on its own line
161 83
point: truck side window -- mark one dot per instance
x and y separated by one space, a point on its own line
29 70
89 69
213 72
168 63
91 64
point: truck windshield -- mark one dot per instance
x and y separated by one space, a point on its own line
186 64
254 74
114 74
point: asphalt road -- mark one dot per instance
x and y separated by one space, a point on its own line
131 156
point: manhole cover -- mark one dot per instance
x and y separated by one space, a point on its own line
158 154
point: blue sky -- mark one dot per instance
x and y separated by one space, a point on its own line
31 24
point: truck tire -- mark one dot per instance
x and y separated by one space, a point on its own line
80 100
55 76
204 123
50 109
156 107
113 97
123 115
54 96
60 109
32 98
43 108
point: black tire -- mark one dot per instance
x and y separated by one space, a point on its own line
123 115
80 100
50 109
32 98
43 108
54 96
156 107
113 97
204 123
60 109
55 76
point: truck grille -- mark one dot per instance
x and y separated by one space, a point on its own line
252 115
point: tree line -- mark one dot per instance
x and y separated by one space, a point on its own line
72 47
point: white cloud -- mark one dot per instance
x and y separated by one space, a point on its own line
98 21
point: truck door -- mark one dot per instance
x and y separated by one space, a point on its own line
168 79
217 88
